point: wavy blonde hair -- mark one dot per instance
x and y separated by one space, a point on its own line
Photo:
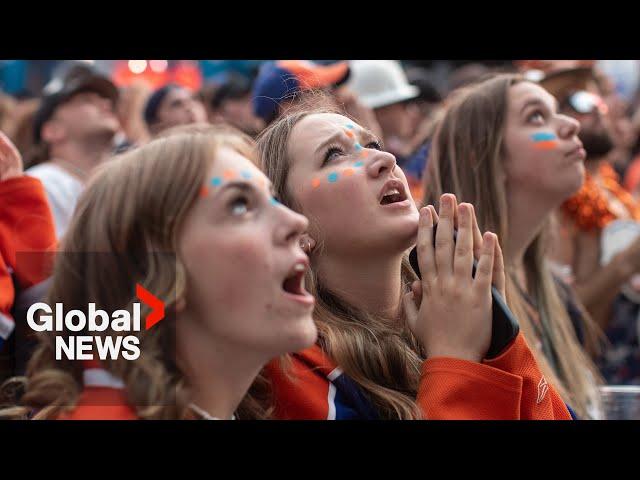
378 353
125 231
466 159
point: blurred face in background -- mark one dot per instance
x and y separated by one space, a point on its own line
85 115
596 128
239 113
180 107
398 119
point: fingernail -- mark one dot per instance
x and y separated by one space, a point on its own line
489 239
463 210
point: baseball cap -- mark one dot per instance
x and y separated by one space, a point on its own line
282 79
60 89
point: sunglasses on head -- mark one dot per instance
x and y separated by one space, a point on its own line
586 102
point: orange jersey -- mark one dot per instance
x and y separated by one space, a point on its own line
509 387
26 226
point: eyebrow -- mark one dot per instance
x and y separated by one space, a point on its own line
241 185
364 133
537 101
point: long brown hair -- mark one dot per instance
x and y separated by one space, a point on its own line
380 354
125 231
466 159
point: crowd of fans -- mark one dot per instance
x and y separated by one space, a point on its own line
274 216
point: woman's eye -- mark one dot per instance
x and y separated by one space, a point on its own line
332 154
536 117
375 145
239 206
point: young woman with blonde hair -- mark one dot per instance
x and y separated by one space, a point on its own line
191 219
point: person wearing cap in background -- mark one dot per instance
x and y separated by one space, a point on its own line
282 83
578 241
170 106
75 124
382 85
231 102
279 83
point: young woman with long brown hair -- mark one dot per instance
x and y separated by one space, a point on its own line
191 219
377 355
502 146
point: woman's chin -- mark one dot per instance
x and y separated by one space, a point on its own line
304 336
404 229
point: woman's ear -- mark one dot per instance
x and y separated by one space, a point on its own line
181 304
307 243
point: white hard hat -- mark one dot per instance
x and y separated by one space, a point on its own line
380 82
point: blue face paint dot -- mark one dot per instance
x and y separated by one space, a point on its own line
273 201
350 126
358 164
332 177
246 175
216 181
358 147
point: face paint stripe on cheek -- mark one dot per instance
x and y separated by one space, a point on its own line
545 145
543 137
544 141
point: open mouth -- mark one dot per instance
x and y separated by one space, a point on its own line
392 192
294 283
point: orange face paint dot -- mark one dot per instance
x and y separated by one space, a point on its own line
347 172
229 174
349 133
315 183
365 153
204 191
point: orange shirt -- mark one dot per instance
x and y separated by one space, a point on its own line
26 226
509 387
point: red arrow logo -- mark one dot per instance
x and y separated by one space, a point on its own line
157 306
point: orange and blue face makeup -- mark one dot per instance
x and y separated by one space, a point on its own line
229 175
348 171
544 141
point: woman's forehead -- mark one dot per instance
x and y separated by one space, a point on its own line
321 123
227 157
523 92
